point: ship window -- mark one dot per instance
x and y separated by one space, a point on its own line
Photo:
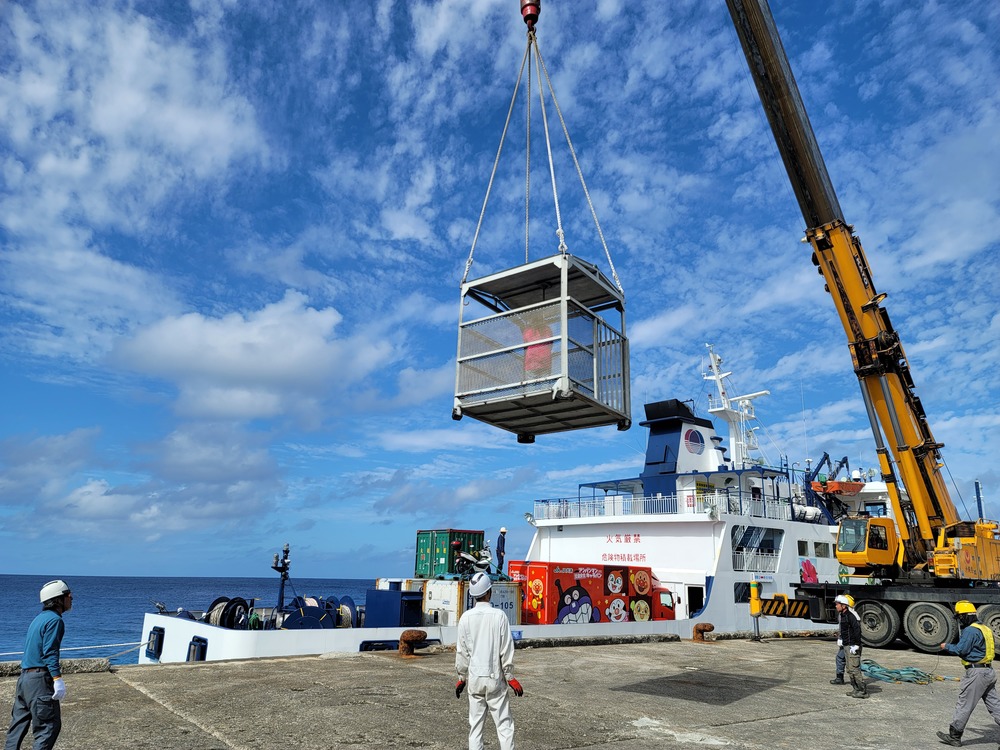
803 548
741 592
822 549
877 538
757 538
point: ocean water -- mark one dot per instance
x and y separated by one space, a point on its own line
108 610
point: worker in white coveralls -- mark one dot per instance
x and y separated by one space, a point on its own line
484 660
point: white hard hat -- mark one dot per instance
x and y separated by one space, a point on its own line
846 599
503 529
53 590
479 585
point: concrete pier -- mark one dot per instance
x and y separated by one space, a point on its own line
723 694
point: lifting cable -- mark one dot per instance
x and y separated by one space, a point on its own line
540 69
496 161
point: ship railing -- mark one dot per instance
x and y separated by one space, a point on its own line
709 503
761 561
612 505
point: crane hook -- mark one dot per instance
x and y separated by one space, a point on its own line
529 11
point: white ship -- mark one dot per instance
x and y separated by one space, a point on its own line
707 514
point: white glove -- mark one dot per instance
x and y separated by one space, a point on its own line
59 689
854 649
840 642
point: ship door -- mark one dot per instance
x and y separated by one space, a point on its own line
695 600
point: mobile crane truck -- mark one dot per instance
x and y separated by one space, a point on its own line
911 569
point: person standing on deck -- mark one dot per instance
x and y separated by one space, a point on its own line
40 686
976 646
501 548
484 660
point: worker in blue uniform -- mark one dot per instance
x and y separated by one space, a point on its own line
501 548
976 648
40 686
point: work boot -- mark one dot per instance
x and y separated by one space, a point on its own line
858 693
838 680
953 738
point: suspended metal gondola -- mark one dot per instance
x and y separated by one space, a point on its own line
542 346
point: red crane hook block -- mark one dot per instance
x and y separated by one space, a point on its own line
529 11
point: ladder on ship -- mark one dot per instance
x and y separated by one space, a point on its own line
746 549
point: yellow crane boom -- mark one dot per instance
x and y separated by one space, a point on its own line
929 528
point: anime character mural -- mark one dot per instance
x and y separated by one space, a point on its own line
575 606
617 611
535 594
642 582
614 581
641 609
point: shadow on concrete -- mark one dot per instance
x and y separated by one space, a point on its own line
703 686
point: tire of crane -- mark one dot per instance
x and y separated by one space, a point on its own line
989 615
879 623
928 625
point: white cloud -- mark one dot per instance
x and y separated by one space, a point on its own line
76 301
652 332
419 441
251 365
37 469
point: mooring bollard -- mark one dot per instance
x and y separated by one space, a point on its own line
700 629
408 639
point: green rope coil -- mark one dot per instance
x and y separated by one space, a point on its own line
904 674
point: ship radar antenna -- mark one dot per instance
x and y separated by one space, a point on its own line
736 411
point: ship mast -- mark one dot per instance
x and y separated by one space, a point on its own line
736 411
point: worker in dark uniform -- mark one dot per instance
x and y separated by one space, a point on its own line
976 647
850 640
501 548
40 686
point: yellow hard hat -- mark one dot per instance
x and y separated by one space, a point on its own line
965 608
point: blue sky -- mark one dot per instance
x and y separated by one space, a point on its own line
232 235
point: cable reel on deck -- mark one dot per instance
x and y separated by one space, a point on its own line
542 346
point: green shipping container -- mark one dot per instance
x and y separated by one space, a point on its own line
435 556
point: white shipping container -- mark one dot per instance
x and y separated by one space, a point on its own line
506 597
445 601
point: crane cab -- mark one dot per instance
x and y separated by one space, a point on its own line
542 349
867 542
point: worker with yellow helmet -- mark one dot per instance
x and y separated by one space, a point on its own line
976 648
849 647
